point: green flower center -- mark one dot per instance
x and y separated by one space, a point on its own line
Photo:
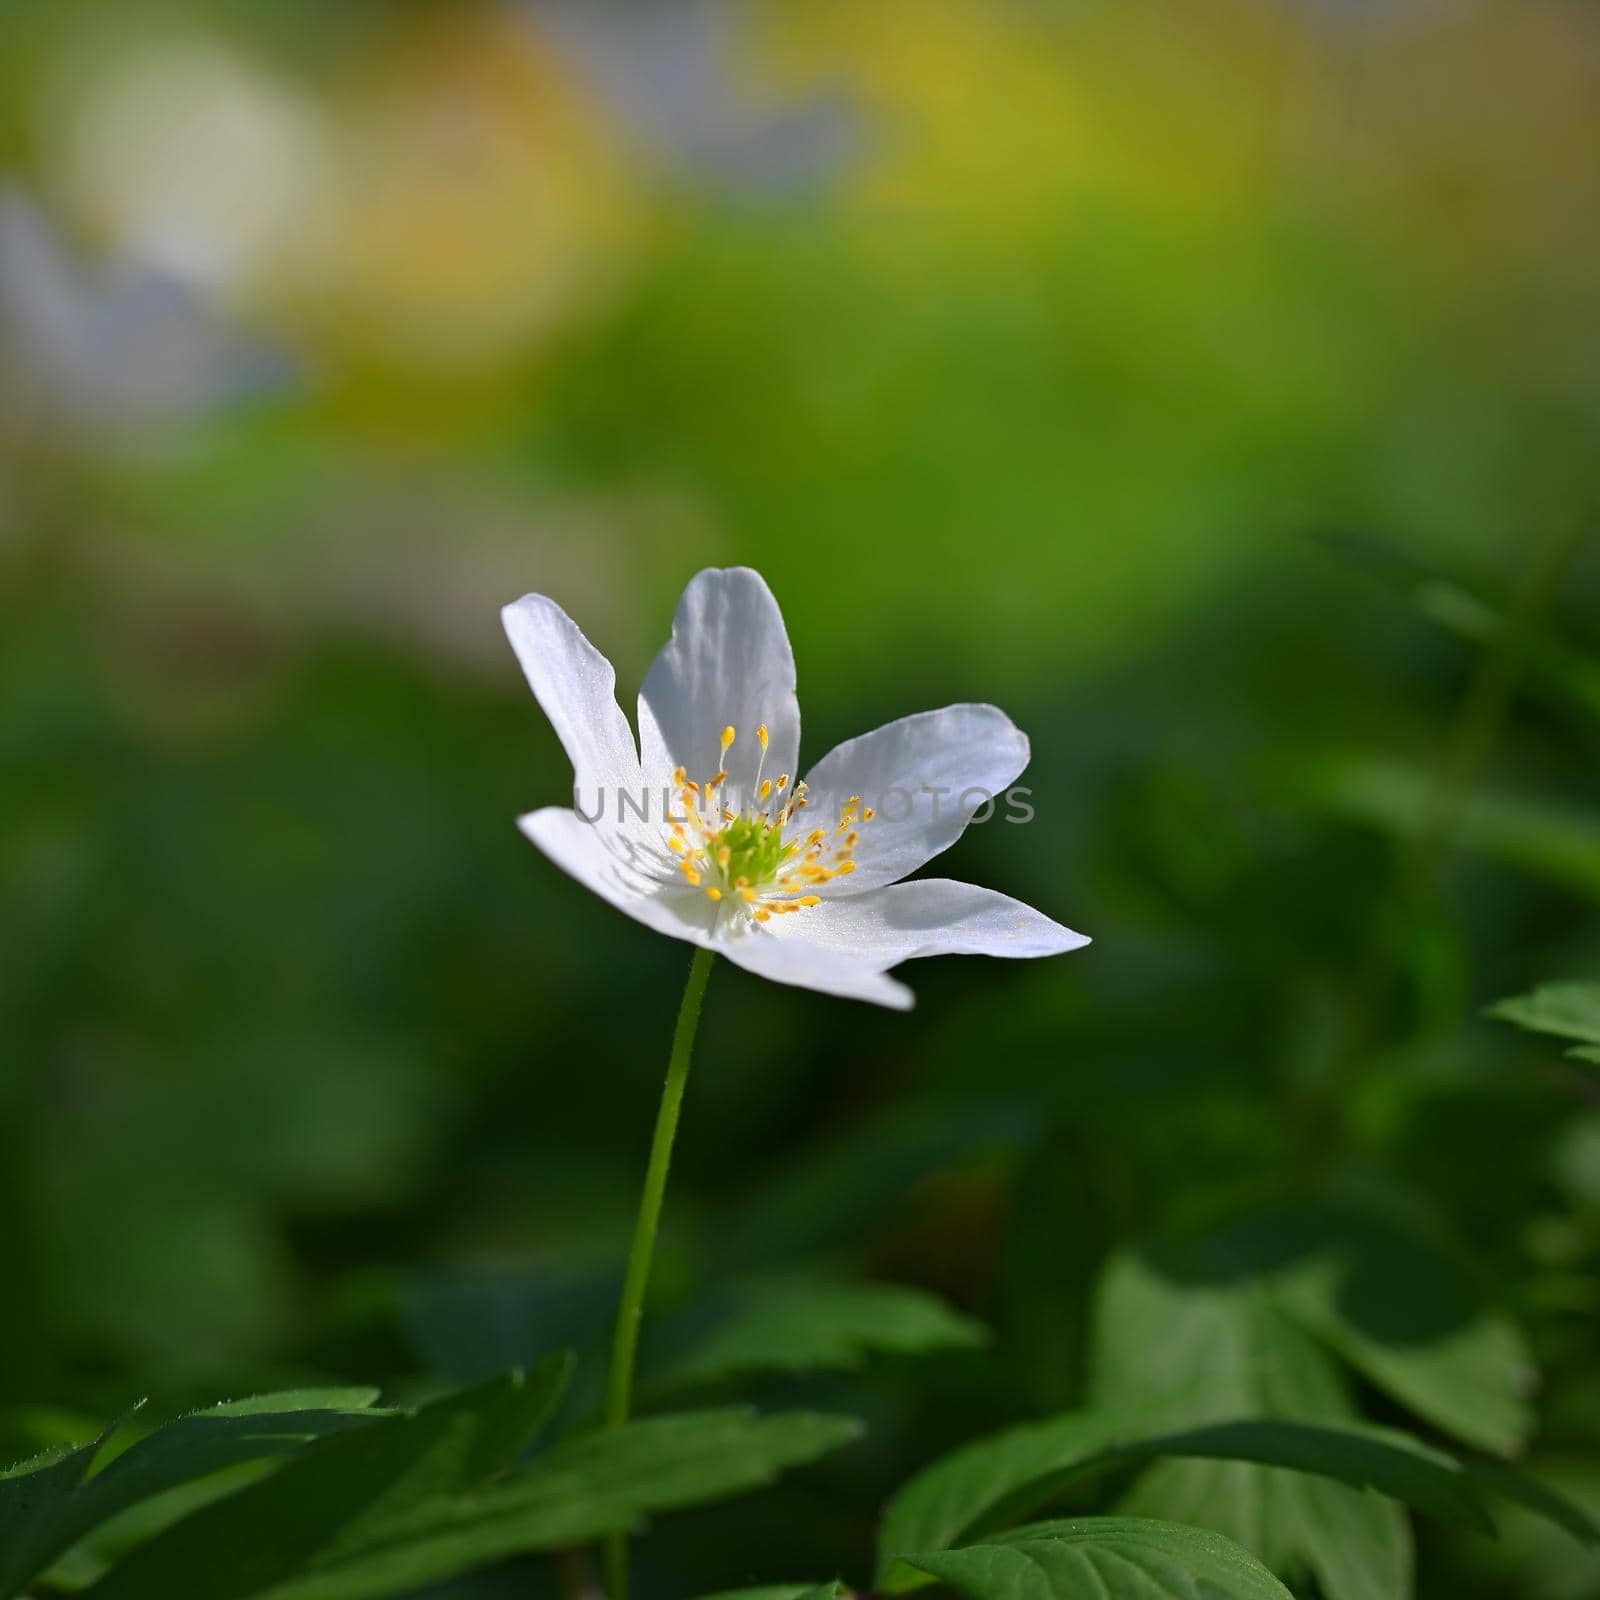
741 860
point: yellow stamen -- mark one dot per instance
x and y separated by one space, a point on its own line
845 868
713 892
868 814
809 900
747 895
763 916
728 737
783 781
741 882
689 873
765 789
679 777
724 856
761 734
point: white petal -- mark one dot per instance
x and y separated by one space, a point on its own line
972 753
728 664
931 917
808 966
602 861
576 686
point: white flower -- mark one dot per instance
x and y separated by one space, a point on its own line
702 832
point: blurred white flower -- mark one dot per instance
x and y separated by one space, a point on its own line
86 347
669 73
701 833
191 159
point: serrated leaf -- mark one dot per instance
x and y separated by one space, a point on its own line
1565 1010
1104 1558
1394 1464
35 1497
44 1512
804 1326
1220 1351
419 1499
977 1485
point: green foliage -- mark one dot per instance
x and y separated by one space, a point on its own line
373 1503
314 1071
805 1326
1563 1010
47 1505
988 1484
1567 1010
1208 1353
1103 1558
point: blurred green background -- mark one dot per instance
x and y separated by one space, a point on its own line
1206 384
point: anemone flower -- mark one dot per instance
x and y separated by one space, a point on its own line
704 831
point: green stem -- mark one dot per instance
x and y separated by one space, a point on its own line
630 1311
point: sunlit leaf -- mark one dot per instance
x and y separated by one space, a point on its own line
1566 1010
1217 1351
1104 1558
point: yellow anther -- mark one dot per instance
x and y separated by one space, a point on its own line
728 737
809 900
677 846
713 892
741 882
747 895
765 789
763 916
724 856
853 800
783 781
715 779
845 868
689 872
679 777
761 734
816 836
868 814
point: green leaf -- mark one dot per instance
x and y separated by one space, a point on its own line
35 1497
803 1326
1394 1464
1412 1323
982 1483
1566 1010
417 1499
1220 1351
1104 1558
46 1509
